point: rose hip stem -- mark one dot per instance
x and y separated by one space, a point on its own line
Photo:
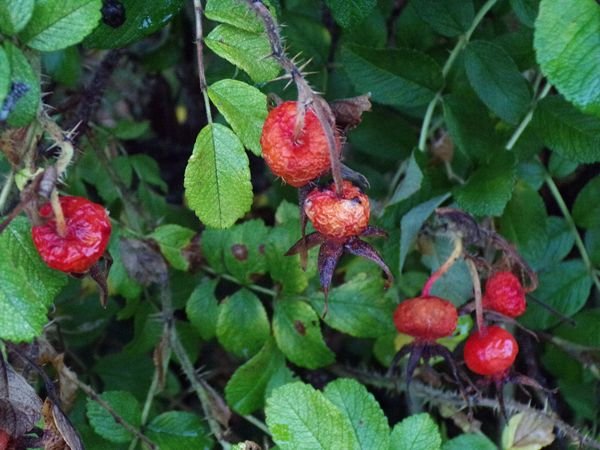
61 225
477 294
456 253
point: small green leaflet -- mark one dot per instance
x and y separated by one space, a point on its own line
217 177
350 13
26 107
416 432
176 430
586 210
236 13
27 286
57 24
411 182
4 75
526 10
470 442
244 107
14 15
202 309
567 44
125 405
447 17
172 240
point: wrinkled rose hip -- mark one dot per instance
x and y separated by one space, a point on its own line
426 318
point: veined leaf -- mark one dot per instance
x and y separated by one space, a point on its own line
14 15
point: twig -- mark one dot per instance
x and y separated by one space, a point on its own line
443 397
458 47
199 56
6 188
306 96
476 293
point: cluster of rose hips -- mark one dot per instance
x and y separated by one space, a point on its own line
490 351
295 147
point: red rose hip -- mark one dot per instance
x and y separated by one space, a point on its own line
336 217
490 351
426 318
88 230
296 158
505 294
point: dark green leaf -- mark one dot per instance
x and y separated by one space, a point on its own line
242 326
4 75
489 188
27 285
586 210
585 332
147 170
565 287
176 430
569 58
568 131
125 405
526 10
244 107
243 249
245 390
142 18
496 78
14 15
348 14
249 51
26 107
307 37
358 307
417 432
524 222
172 240
217 177
369 423
298 334
202 309
57 24
559 242
299 416
560 167
447 17
412 222
592 244
236 13
411 182
469 442
64 66
397 77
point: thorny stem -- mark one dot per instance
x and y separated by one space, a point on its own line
6 190
456 253
200 58
527 119
444 398
573 228
477 294
306 96
458 47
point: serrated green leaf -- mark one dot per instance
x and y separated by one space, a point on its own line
285 269
26 108
249 51
57 24
489 188
4 75
243 249
242 326
397 77
469 442
245 390
298 334
411 182
592 244
416 432
202 309
585 332
496 78
559 243
148 170
125 405
412 222
565 287
172 240
212 243
526 10
524 222
447 17
244 107
586 210
348 14
568 131
570 58
369 424
176 430
560 167
217 177
358 307
27 285
14 15
236 13
300 417
142 18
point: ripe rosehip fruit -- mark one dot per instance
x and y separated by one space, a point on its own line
88 233
296 159
336 217
490 351
505 294
426 318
